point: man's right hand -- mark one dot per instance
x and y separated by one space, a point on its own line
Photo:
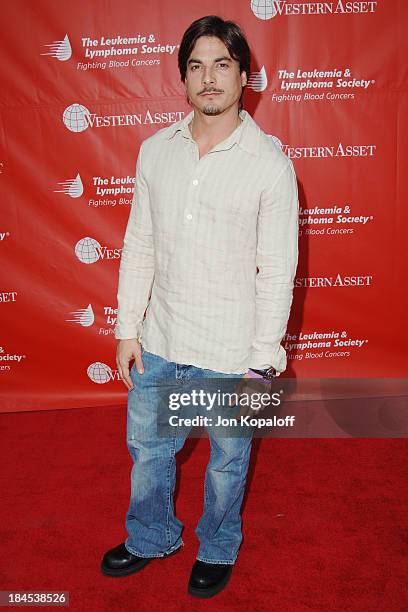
126 351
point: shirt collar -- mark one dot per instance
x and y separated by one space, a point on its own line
246 135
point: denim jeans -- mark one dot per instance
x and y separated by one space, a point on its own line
153 529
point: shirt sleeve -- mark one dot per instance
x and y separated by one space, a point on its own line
136 270
276 258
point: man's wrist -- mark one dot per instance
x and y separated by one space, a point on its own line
267 373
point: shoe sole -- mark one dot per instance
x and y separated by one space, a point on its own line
125 571
210 592
107 571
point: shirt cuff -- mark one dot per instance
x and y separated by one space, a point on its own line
129 332
261 360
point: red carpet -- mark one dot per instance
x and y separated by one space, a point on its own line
325 521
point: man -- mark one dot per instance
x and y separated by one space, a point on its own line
215 199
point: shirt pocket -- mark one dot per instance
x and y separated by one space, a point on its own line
230 202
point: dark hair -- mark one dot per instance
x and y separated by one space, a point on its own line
227 31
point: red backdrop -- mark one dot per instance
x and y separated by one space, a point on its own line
85 82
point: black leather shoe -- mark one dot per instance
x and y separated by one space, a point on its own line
208 579
120 562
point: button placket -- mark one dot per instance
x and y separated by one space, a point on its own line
193 194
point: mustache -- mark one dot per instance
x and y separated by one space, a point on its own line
210 91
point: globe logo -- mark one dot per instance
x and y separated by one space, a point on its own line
99 373
264 9
75 117
86 250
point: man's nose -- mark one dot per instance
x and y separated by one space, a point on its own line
208 76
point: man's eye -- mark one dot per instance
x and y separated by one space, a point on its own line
195 66
222 64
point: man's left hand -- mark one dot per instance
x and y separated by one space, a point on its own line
244 387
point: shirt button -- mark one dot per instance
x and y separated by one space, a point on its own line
195 182
189 216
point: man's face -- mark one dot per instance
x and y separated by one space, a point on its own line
213 81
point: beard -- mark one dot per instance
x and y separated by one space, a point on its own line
211 109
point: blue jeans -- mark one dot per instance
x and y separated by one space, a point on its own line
153 529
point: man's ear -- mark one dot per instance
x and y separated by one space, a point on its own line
244 78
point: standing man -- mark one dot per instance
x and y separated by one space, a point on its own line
215 199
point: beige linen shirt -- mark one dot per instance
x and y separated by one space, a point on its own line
198 229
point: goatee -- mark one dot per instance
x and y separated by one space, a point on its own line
211 110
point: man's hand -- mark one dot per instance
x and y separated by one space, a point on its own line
126 351
248 387
241 389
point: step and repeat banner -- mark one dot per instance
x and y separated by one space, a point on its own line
85 82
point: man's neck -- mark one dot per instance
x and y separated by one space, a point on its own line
213 128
